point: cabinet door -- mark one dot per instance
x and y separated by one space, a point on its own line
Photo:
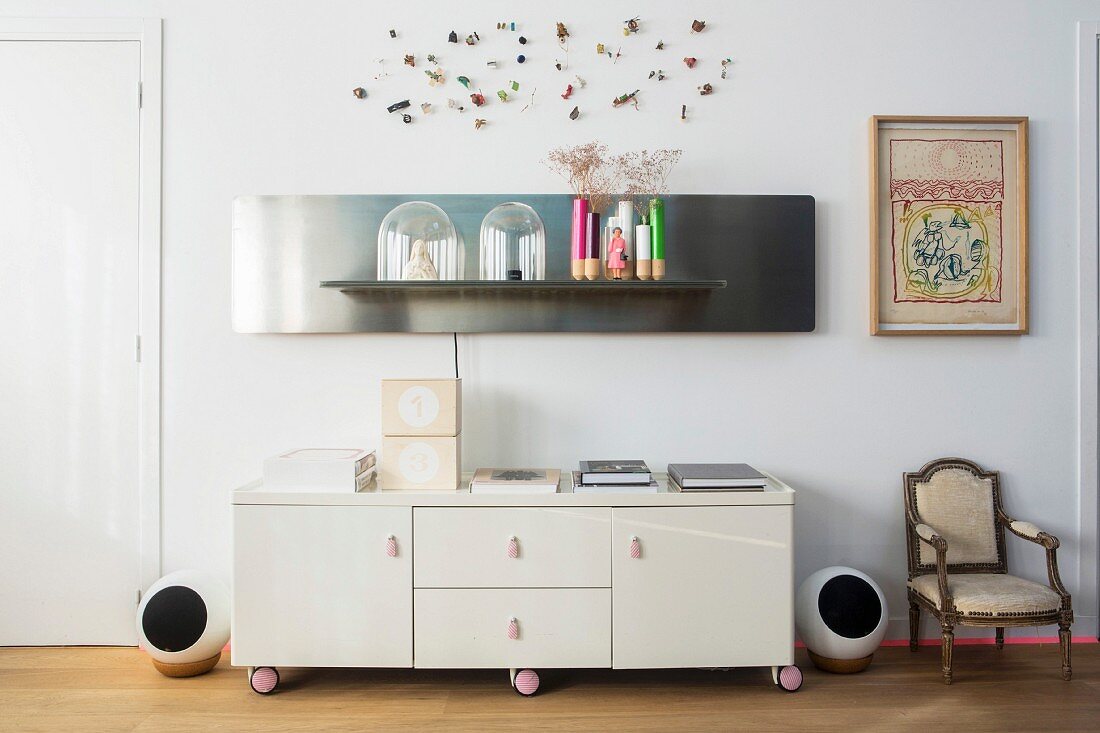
710 586
316 586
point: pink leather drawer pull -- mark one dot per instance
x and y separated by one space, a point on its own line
513 547
391 546
635 548
513 629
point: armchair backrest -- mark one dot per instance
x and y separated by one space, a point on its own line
960 502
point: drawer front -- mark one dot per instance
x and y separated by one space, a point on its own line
553 627
474 547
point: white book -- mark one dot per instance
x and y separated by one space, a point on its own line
319 469
515 481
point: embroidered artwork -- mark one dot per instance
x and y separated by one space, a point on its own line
950 226
946 199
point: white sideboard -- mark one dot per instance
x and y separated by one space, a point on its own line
519 582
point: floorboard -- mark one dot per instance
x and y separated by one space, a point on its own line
109 689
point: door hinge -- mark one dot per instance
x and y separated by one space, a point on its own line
137 348
141 94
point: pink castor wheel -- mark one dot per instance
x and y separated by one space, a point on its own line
263 680
524 681
787 678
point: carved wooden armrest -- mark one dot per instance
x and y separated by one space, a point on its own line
1032 533
929 536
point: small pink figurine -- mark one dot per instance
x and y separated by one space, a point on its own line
616 254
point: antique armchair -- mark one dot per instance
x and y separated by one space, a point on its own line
955 539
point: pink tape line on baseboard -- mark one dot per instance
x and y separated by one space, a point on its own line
981 641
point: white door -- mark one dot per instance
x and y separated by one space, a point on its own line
69 312
707 586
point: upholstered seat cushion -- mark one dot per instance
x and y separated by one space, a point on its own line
990 594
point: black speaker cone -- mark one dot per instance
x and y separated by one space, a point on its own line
174 618
849 606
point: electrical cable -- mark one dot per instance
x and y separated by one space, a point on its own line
456 354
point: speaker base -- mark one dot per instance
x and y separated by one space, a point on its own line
187 669
840 666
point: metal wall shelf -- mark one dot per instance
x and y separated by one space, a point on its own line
308 264
514 286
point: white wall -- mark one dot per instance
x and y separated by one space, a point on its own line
257 100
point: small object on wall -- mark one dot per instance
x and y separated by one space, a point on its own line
683 113
575 113
452 37
562 32
464 81
472 39
690 61
631 26
425 107
420 265
697 26
432 59
523 40
581 82
566 94
381 70
492 64
183 623
478 99
660 45
557 65
359 92
659 74
601 49
618 53
406 118
479 123
521 59
842 617
514 85
398 105
452 104
706 90
725 66
622 99
410 60
502 95
393 33
435 78
531 103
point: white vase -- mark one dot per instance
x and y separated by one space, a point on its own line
625 211
643 252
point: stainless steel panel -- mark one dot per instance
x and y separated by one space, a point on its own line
284 247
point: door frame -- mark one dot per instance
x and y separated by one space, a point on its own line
148 33
1088 173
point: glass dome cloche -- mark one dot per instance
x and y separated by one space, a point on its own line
513 244
418 241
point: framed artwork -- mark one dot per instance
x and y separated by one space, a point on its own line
948 225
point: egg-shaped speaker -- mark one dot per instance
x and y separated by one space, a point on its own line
183 623
841 616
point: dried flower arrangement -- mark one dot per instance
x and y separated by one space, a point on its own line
646 174
593 174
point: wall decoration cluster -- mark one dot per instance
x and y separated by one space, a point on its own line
949 225
488 71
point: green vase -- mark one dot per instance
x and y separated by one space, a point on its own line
657 236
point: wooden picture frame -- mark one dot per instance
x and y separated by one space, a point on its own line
948 199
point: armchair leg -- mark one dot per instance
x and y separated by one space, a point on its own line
914 625
1000 637
1064 642
948 644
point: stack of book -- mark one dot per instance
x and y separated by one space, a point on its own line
515 481
715 477
321 470
613 477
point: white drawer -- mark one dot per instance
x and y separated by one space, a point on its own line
556 627
469 547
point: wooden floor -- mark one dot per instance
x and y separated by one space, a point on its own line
98 689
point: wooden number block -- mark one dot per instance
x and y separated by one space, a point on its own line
422 407
421 463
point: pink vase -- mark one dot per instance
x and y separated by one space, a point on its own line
578 249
